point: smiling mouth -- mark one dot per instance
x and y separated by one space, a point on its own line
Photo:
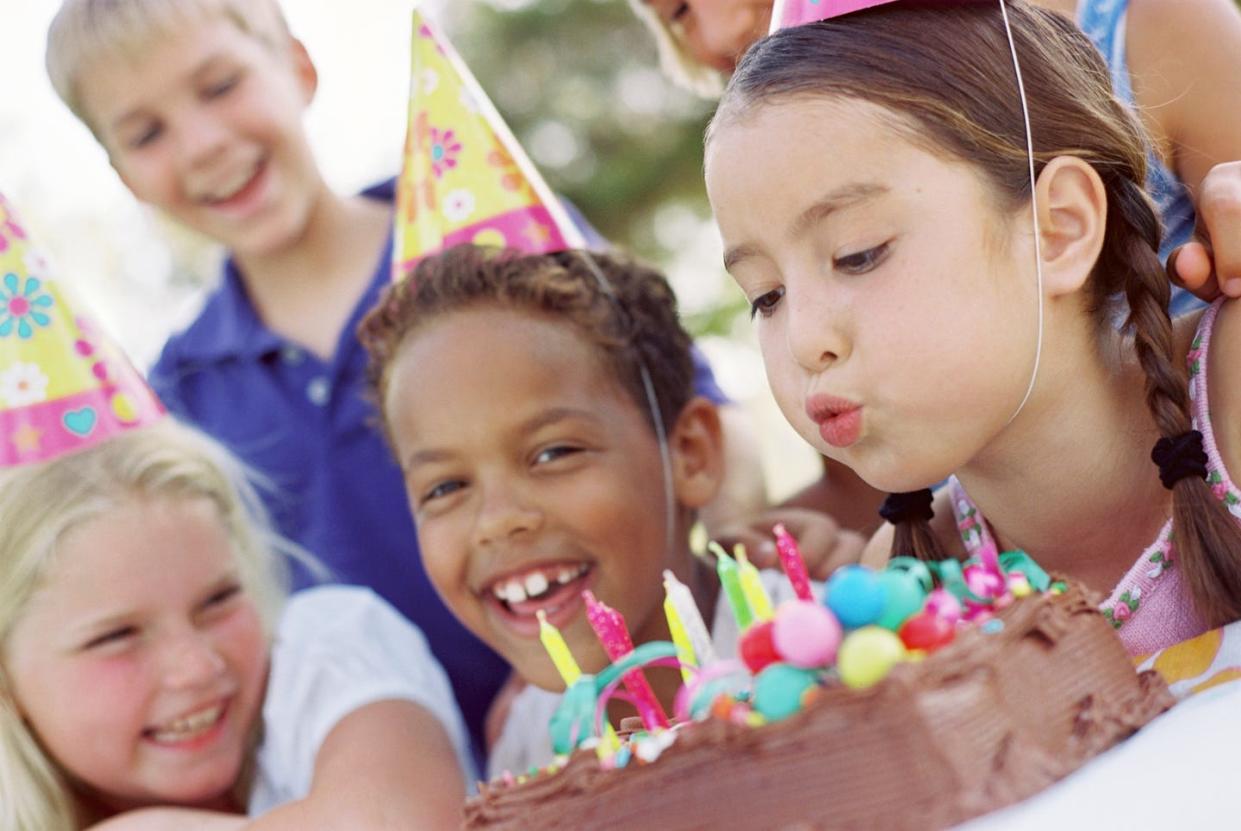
227 189
555 589
189 727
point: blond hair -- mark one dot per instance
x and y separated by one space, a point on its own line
40 504
85 31
674 59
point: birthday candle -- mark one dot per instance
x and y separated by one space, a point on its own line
569 671
554 643
679 595
609 625
752 585
794 565
685 652
730 580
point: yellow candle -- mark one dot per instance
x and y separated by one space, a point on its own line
752 585
685 652
554 643
569 671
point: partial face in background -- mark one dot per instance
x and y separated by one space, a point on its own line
206 125
715 32
532 475
140 662
894 300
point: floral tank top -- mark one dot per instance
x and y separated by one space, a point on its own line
1150 607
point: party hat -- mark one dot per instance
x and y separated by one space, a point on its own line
786 13
63 385
465 178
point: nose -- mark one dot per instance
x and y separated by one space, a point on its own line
815 338
503 514
190 660
201 137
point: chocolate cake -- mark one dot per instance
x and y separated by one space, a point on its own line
1006 709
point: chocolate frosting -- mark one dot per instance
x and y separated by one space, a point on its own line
985 722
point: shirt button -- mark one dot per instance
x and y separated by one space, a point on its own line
319 390
292 355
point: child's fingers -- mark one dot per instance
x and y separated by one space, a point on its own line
1219 222
1189 266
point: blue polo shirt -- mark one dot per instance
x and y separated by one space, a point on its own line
307 426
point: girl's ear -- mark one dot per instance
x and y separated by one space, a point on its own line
1072 215
696 447
303 70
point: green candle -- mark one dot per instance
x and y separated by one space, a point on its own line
730 579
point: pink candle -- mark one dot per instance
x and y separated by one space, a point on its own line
794 565
609 626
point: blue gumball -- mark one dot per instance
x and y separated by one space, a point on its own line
780 689
856 595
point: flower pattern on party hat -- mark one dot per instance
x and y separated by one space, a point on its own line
786 13
465 179
64 386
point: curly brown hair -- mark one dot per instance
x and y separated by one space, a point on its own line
625 309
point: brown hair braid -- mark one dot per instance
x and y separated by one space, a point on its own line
634 323
948 72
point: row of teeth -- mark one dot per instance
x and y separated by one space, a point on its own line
231 186
535 584
185 728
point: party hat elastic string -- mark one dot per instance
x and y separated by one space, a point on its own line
1038 256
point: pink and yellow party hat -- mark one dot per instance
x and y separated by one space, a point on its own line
465 178
64 386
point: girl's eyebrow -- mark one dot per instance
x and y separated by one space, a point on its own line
845 196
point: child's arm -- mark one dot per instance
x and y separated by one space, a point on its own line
1185 58
388 765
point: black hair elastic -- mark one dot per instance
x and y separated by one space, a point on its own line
905 507
1180 457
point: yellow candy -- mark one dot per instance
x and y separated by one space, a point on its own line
1020 587
868 655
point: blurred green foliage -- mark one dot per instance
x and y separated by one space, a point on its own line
579 83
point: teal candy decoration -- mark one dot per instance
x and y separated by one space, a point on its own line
573 721
914 567
1020 561
952 579
855 596
903 598
778 690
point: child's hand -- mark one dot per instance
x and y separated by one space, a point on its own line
824 545
1211 264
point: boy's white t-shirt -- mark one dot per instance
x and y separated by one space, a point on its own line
337 649
525 741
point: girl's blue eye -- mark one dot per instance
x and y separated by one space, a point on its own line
862 261
765 304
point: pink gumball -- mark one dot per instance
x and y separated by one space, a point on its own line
805 634
984 583
943 604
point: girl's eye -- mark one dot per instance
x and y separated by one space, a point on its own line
679 11
114 636
551 454
862 261
442 489
223 595
765 304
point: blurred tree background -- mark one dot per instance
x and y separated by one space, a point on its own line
579 83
